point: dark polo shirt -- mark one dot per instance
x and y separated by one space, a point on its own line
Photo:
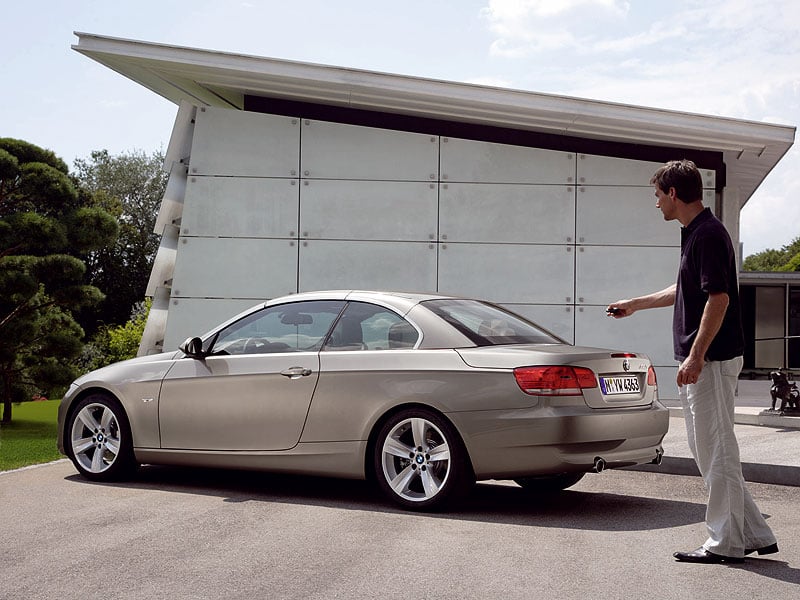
708 265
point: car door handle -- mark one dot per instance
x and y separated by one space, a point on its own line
296 372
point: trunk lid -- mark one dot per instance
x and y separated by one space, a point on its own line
621 376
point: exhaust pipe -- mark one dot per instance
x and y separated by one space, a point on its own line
599 465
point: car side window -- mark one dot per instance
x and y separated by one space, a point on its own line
365 326
294 327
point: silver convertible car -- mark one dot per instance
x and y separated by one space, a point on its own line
425 394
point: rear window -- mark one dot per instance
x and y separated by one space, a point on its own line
488 324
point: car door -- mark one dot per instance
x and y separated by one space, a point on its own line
252 392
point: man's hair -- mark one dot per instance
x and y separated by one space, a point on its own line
682 175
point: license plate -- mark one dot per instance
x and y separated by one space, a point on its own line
627 384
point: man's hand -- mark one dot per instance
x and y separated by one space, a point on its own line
689 371
620 308
711 321
625 308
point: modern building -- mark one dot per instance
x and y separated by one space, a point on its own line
287 176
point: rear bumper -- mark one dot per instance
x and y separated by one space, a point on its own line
546 440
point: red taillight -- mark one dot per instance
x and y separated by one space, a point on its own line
623 355
554 381
651 377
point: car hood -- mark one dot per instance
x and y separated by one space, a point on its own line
126 364
519 355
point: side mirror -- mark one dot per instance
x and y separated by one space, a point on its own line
192 347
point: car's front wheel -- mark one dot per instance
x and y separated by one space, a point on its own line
99 440
420 461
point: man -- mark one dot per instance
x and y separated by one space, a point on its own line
709 343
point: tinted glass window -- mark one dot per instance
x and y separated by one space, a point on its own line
294 327
489 325
365 326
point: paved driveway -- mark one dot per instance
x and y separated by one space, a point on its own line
207 534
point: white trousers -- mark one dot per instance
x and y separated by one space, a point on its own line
733 520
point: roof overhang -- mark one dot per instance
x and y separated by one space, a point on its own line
210 78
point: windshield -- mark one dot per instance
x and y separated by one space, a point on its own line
489 325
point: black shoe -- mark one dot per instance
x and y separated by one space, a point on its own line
701 555
771 549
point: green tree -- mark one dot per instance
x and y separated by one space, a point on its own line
785 259
116 342
131 186
45 224
768 260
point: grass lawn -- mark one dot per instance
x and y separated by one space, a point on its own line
30 438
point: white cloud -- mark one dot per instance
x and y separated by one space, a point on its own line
524 27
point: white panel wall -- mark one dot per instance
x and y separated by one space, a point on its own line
648 331
327 264
507 273
235 268
507 213
232 142
486 162
275 205
335 151
605 170
507 228
608 273
368 210
241 207
622 216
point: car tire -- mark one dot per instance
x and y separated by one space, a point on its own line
98 439
549 484
420 461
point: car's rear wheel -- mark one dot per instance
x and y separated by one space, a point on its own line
420 460
99 441
548 484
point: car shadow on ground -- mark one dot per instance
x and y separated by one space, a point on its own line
490 502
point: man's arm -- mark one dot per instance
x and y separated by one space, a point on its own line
661 299
710 323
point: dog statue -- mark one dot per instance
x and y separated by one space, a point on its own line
785 390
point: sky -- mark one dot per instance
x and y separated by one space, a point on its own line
731 58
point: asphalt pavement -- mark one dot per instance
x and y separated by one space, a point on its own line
769 445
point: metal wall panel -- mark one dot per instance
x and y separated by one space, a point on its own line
241 207
368 210
608 273
336 151
152 341
406 266
624 216
605 170
486 162
235 268
190 317
559 320
647 331
171 208
508 273
482 212
164 262
180 142
234 142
